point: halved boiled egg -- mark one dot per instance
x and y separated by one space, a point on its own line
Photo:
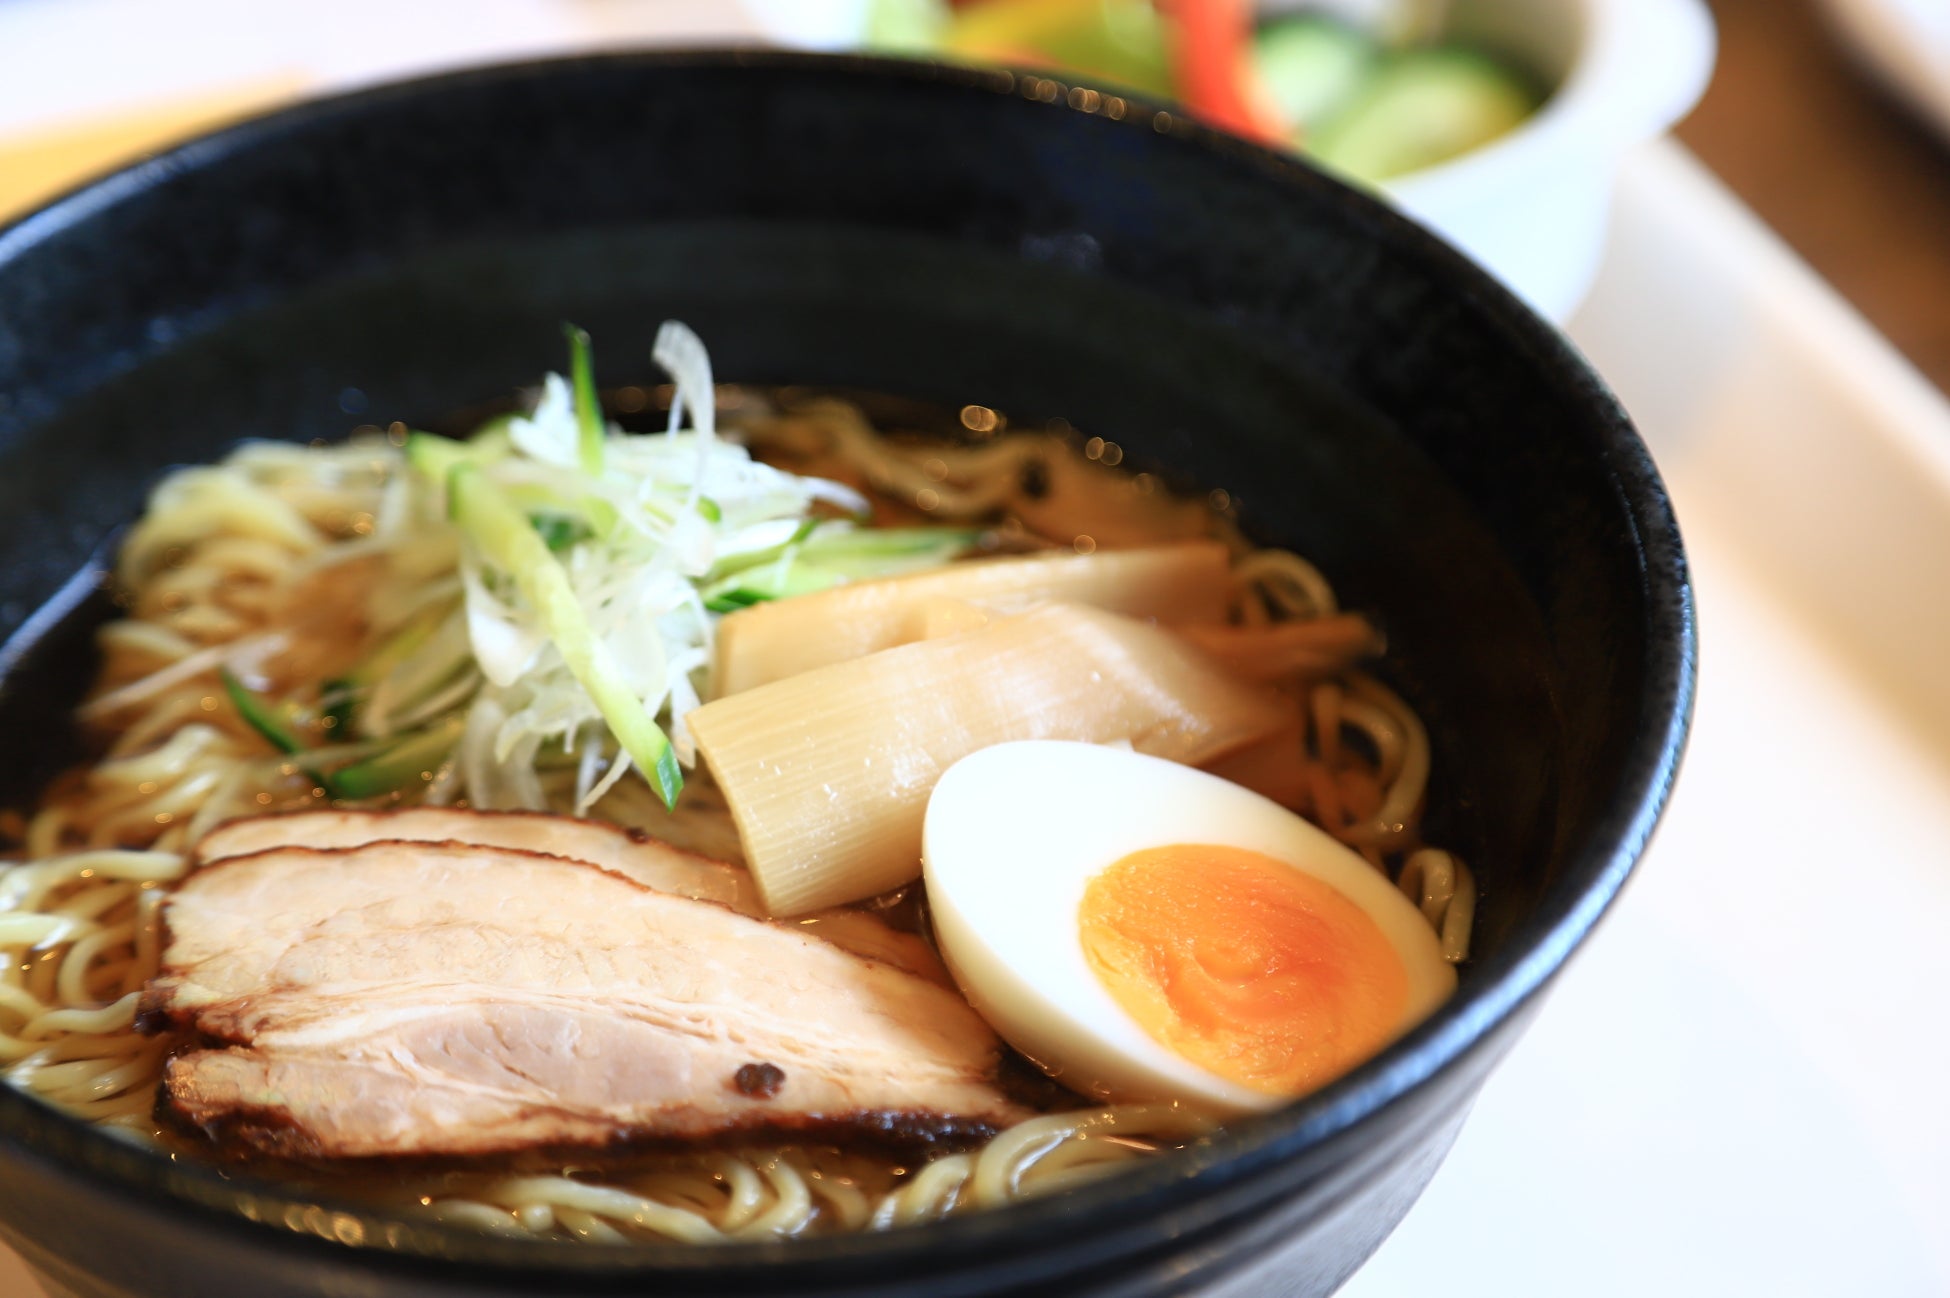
1143 930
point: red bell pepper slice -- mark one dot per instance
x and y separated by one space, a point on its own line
1211 53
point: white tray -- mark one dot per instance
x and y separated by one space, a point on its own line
1738 1088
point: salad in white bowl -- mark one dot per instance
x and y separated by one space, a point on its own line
1499 123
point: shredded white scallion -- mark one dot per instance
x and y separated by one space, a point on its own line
663 517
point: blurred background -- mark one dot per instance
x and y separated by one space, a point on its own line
1737 1088
1832 121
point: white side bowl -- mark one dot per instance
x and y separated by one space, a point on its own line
1532 205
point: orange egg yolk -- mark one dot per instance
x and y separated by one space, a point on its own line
1243 965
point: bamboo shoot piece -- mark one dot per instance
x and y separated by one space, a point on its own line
828 772
1281 651
934 618
1180 584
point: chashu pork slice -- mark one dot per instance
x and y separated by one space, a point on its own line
432 999
634 853
649 861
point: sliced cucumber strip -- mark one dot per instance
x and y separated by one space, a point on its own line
411 761
278 724
1421 108
1312 67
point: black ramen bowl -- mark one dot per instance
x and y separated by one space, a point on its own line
1224 313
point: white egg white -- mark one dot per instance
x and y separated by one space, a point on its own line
1015 832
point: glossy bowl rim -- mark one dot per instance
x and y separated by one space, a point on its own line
1243 1155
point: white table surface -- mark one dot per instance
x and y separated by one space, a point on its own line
1738 1088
